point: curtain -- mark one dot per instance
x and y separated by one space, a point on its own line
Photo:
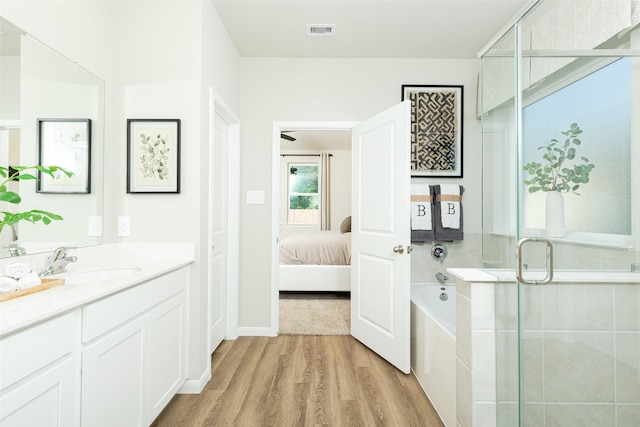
325 190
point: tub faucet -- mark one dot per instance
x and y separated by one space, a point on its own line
441 277
57 261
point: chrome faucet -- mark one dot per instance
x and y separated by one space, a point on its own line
441 277
57 261
15 250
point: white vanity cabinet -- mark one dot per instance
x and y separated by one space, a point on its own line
134 352
40 374
97 351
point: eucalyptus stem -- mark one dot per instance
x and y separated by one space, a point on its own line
19 173
552 176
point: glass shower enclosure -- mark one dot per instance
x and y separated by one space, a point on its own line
560 111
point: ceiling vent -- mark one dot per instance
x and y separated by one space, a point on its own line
321 30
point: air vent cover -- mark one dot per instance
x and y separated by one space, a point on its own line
321 30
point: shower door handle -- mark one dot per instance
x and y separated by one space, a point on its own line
549 277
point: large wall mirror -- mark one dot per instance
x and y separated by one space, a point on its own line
36 84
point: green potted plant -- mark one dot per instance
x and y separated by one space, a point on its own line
20 173
560 171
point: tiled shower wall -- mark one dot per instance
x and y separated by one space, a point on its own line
466 253
580 360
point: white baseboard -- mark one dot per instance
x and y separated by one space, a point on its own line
245 331
196 386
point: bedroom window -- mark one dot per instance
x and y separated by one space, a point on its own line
303 194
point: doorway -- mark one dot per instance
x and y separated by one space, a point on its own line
379 267
315 198
301 138
223 223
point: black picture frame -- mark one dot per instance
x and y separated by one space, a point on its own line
153 156
65 143
436 130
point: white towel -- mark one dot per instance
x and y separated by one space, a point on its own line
420 207
17 269
29 280
7 284
450 205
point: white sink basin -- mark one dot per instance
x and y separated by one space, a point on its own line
98 275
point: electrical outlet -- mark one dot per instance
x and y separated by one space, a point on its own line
124 226
95 226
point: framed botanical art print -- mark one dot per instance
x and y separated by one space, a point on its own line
65 143
436 130
153 156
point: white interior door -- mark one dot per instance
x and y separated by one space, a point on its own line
381 237
218 229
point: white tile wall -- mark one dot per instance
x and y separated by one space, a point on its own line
580 346
462 254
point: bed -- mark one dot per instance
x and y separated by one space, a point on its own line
316 262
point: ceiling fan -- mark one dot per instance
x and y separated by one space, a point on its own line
284 135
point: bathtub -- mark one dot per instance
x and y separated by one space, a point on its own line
433 345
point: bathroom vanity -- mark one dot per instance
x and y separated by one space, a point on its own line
107 348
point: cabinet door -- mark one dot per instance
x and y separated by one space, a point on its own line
113 378
167 350
46 399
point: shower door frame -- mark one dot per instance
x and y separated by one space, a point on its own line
535 340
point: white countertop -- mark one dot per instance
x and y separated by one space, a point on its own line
150 260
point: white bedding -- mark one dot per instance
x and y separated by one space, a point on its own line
321 248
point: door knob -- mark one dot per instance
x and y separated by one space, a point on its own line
398 249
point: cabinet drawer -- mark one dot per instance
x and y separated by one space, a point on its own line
106 314
27 351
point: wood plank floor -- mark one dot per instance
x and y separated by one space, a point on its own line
301 380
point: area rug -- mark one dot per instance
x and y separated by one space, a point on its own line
315 316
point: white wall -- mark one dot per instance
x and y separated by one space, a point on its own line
9 88
158 59
79 29
328 90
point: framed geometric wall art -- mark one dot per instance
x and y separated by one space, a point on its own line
436 130
153 156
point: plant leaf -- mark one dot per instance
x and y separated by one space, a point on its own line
26 176
10 196
48 214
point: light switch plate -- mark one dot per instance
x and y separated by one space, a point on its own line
255 197
124 226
